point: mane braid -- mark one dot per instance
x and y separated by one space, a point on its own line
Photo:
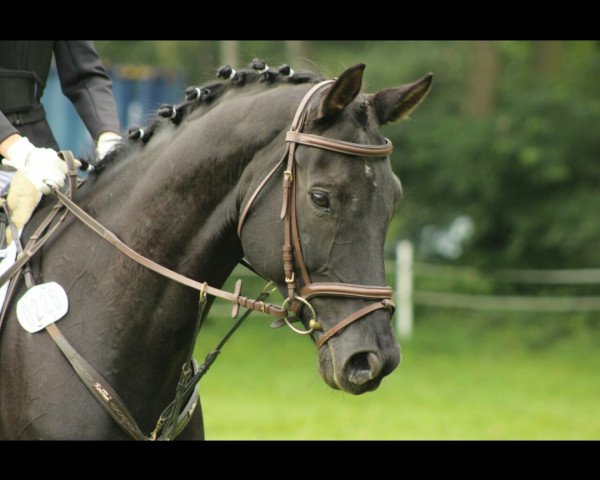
204 96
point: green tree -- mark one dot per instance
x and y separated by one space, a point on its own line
507 136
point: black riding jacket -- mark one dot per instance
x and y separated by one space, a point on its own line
24 68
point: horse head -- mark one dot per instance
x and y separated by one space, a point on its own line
343 201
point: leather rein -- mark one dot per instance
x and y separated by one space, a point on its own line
292 249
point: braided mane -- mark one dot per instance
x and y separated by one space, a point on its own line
202 98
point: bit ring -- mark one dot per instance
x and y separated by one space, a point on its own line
312 312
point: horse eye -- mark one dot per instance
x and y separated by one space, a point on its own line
320 199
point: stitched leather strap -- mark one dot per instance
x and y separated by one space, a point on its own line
324 289
354 149
298 121
352 318
255 194
38 238
111 238
293 226
98 387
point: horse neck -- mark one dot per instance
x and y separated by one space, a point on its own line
172 211
175 200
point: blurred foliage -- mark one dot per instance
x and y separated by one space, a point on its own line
508 135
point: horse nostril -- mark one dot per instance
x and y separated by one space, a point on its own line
363 367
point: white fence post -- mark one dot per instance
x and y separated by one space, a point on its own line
229 52
404 288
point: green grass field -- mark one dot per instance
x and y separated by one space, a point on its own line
464 375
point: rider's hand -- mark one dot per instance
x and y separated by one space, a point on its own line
42 166
106 141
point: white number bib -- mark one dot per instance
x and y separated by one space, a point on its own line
42 305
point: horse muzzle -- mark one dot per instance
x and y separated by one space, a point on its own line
357 358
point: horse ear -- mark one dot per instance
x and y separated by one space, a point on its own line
344 90
395 103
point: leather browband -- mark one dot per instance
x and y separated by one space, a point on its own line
356 149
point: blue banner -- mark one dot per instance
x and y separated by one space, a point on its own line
138 92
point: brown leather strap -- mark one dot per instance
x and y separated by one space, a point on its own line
325 289
97 385
291 245
258 189
293 220
111 238
12 286
19 247
36 240
296 126
340 146
288 178
65 200
33 246
298 121
352 318
288 253
69 159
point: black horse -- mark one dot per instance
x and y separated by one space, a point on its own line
174 193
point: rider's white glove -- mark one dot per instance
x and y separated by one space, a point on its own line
106 142
42 166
